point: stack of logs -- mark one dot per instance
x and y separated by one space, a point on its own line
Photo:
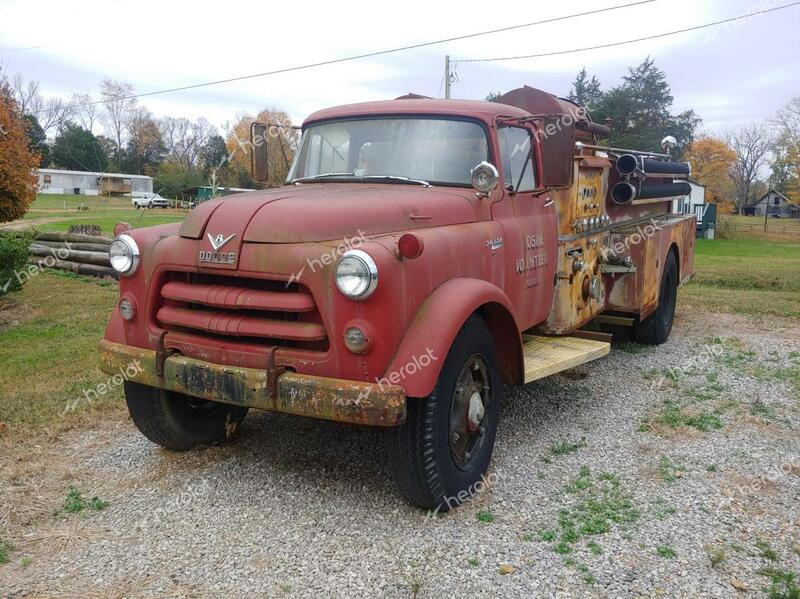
82 254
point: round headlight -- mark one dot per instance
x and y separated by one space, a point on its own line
484 177
356 274
124 255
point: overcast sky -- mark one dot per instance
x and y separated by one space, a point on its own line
730 75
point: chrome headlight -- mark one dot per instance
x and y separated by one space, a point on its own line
356 274
124 255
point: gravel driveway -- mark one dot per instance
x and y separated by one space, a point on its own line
622 478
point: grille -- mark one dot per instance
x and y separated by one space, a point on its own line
246 310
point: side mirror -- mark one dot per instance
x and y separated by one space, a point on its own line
557 137
484 178
259 165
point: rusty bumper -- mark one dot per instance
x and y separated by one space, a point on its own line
304 395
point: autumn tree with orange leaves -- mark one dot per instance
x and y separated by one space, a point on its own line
281 143
711 161
18 162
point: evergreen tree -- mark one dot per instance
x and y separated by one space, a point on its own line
585 92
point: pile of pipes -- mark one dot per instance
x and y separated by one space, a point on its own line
641 178
81 254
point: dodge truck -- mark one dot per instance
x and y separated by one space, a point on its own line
421 254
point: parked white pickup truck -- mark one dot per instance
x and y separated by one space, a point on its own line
149 200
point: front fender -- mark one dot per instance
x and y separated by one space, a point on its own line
426 343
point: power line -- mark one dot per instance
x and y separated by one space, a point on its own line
631 41
376 53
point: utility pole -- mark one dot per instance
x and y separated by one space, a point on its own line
447 76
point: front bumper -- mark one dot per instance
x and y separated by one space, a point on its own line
303 395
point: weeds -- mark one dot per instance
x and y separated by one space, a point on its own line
666 551
76 503
766 551
600 503
485 517
565 448
669 471
783 584
5 549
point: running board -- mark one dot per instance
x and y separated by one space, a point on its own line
548 355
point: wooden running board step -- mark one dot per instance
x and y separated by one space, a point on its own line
548 355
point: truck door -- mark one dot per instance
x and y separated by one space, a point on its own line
529 227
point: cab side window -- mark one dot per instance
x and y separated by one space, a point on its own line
517 156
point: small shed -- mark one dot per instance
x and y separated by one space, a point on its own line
775 205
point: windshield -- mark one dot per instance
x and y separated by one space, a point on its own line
442 151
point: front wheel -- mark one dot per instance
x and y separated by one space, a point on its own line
440 455
655 329
180 422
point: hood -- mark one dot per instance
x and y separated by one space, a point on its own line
326 212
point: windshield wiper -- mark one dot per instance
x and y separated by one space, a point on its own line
322 176
398 178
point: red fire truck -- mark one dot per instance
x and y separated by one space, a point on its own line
421 253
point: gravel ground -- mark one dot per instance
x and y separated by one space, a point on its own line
593 492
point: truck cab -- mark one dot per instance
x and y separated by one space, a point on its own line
421 254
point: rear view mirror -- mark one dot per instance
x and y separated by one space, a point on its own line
258 158
557 136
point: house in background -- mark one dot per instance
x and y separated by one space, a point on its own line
774 203
92 184
695 203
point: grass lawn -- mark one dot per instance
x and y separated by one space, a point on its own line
58 212
48 337
748 276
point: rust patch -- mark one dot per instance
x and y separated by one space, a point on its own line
304 395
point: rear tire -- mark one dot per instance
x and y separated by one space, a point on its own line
180 422
655 329
440 455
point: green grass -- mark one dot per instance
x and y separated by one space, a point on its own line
473 562
49 356
766 551
485 517
675 416
103 212
745 276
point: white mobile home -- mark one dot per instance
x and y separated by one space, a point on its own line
92 184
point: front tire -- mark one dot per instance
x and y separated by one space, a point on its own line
180 422
440 455
655 329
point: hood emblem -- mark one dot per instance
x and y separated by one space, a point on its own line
220 240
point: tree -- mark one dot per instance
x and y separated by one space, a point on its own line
585 92
184 139
85 111
172 177
711 161
17 161
493 96
118 102
281 143
640 111
786 164
77 149
145 149
37 140
752 145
